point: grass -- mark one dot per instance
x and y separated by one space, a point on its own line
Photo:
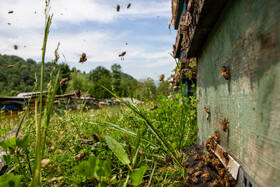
71 133
112 146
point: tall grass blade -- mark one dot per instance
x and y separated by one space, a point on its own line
38 146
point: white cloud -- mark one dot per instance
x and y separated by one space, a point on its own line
102 46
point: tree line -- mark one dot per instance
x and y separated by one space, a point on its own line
18 75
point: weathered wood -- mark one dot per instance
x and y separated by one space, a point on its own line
246 40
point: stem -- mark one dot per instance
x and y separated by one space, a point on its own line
38 150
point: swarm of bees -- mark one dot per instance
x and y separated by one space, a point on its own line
225 73
122 55
11 66
83 58
63 81
161 77
201 174
224 124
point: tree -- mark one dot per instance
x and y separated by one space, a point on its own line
100 76
116 74
64 73
164 89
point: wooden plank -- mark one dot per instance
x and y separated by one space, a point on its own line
246 40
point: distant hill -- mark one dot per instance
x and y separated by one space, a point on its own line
18 75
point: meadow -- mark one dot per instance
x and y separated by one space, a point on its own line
111 146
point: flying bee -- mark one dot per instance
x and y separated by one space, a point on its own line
161 77
11 66
225 73
63 81
10 12
80 156
224 124
15 47
9 23
153 107
122 55
118 7
128 6
83 58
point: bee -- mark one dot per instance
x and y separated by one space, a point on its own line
118 7
222 172
95 137
85 137
194 180
122 55
11 66
128 6
207 110
153 107
198 173
9 23
161 77
168 159
207 113
83 58
187 180
15 47
141 153
190 171
10 12
225 73
206 176
224 124
78 93
216 137
80 156
216 183
197 157
200 165
63 81
225 154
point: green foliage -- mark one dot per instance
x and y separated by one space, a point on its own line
22 77
118 150
137 176
9 180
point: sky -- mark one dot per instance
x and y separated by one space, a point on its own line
93 27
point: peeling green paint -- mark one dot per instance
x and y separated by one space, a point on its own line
245 39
